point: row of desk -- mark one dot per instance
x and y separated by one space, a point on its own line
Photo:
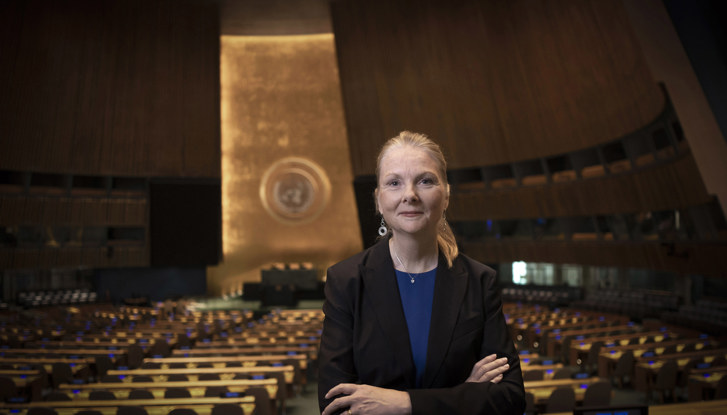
715 407
271 355
594 343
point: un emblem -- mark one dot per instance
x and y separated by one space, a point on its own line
295 190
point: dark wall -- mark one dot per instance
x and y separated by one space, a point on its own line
115 91
156 284
185 218
369 219
120 87
700 26
491 81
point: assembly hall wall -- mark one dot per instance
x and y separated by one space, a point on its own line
518 85
112 105
110 149
286 188
129 151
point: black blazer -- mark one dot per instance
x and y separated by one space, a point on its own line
365 337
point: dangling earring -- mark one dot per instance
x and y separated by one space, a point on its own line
382 229
444 220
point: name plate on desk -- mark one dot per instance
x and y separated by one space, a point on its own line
302 279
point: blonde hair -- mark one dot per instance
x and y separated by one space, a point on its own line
445 238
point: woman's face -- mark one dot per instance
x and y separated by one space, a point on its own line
411 195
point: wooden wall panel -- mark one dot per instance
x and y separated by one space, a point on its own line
135 212
110 87
32 211
69 256
10 206
24 258
6 258
47 258
494 81
116 212
674 184
77 212
692 258
63 211
64 214
137 256
92 255
94 212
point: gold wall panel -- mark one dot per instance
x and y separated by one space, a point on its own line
280 102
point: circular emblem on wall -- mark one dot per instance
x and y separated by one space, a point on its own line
295 190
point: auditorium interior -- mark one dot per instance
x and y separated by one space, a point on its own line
176 176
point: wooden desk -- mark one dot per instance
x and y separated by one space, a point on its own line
23 381
538 331
263 330
527 358
645 370
158 406
197 389
226 373
28 382
257 342
555 340
608 357
580 349
314 313
244 360
702 386
22 338
554 366
531 329
561 382
77 365
61 352
27 333
541 389
138 335
109 346
310 351
19 372
718 407
658 345
548 370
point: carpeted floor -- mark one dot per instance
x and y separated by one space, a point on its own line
306 403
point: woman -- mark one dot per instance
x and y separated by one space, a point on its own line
411 326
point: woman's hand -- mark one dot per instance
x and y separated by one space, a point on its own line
366 399
489 369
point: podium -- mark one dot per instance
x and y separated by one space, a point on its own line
282 287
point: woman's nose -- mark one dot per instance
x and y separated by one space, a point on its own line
410 194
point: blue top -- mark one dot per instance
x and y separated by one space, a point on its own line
416 299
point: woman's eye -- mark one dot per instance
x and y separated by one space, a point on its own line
427 180
394 183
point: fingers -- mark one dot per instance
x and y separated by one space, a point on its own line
488 369
481 366
341 402
338 404
489 363
367 398
487 359
341 389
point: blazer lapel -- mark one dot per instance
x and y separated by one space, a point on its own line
382 291
449 290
